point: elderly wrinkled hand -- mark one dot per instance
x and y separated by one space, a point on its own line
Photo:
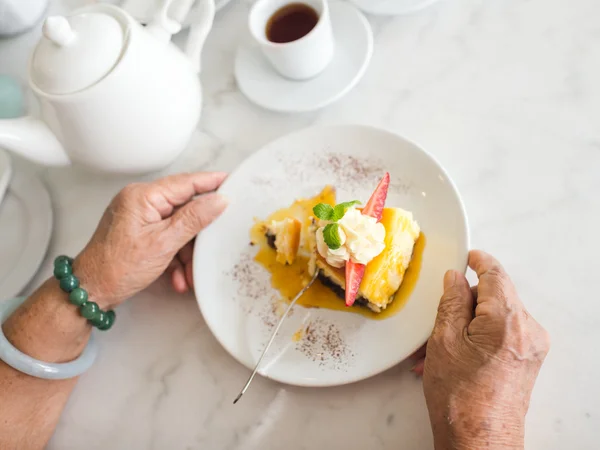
481 361
147 230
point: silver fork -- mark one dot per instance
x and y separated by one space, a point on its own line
289 308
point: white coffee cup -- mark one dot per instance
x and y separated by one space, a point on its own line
303 58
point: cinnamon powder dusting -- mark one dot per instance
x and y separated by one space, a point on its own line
249 279
351 172
323 343
253 285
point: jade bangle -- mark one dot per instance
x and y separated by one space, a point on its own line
39 369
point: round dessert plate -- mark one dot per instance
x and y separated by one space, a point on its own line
259 81
25 227
392 7
317 346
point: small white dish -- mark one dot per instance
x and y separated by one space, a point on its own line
234 292
392 7
259 81
25 230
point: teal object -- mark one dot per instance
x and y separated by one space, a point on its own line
63 272
109 320
89 310
11 98
68 283
78 296
63 258
98 319
104 320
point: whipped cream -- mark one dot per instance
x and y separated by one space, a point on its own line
362 239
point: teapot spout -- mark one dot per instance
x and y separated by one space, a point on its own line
32 139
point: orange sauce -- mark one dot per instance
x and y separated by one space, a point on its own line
290 279
298 335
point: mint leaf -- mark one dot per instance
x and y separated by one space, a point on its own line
323 211
340 210
331 236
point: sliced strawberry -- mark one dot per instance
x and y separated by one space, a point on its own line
374 208
354 275
376 203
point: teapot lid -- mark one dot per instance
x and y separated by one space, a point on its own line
75 52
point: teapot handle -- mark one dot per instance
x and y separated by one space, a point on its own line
161 25
202 17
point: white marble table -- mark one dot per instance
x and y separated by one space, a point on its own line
507 95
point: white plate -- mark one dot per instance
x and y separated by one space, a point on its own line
262 85
235 294
392 7
25 230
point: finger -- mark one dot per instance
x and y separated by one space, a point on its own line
176 273
186 255
475 294
456 305
419 367
189 274
193 217
178 281
482 263
170 192
495 286
419 354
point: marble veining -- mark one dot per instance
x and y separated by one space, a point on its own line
506 96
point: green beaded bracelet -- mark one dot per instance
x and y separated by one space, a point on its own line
63 272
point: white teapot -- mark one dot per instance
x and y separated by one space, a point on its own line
114 96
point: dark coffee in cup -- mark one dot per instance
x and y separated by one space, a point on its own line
295 36
291 22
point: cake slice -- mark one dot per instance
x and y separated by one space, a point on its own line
385 273
355 271
284 237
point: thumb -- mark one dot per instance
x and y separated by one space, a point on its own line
456 305
194 216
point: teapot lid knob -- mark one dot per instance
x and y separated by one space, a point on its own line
58 30
77 51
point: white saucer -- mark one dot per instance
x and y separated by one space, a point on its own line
25 230
235 293
392 7
262 85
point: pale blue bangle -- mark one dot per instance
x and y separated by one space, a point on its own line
39 369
